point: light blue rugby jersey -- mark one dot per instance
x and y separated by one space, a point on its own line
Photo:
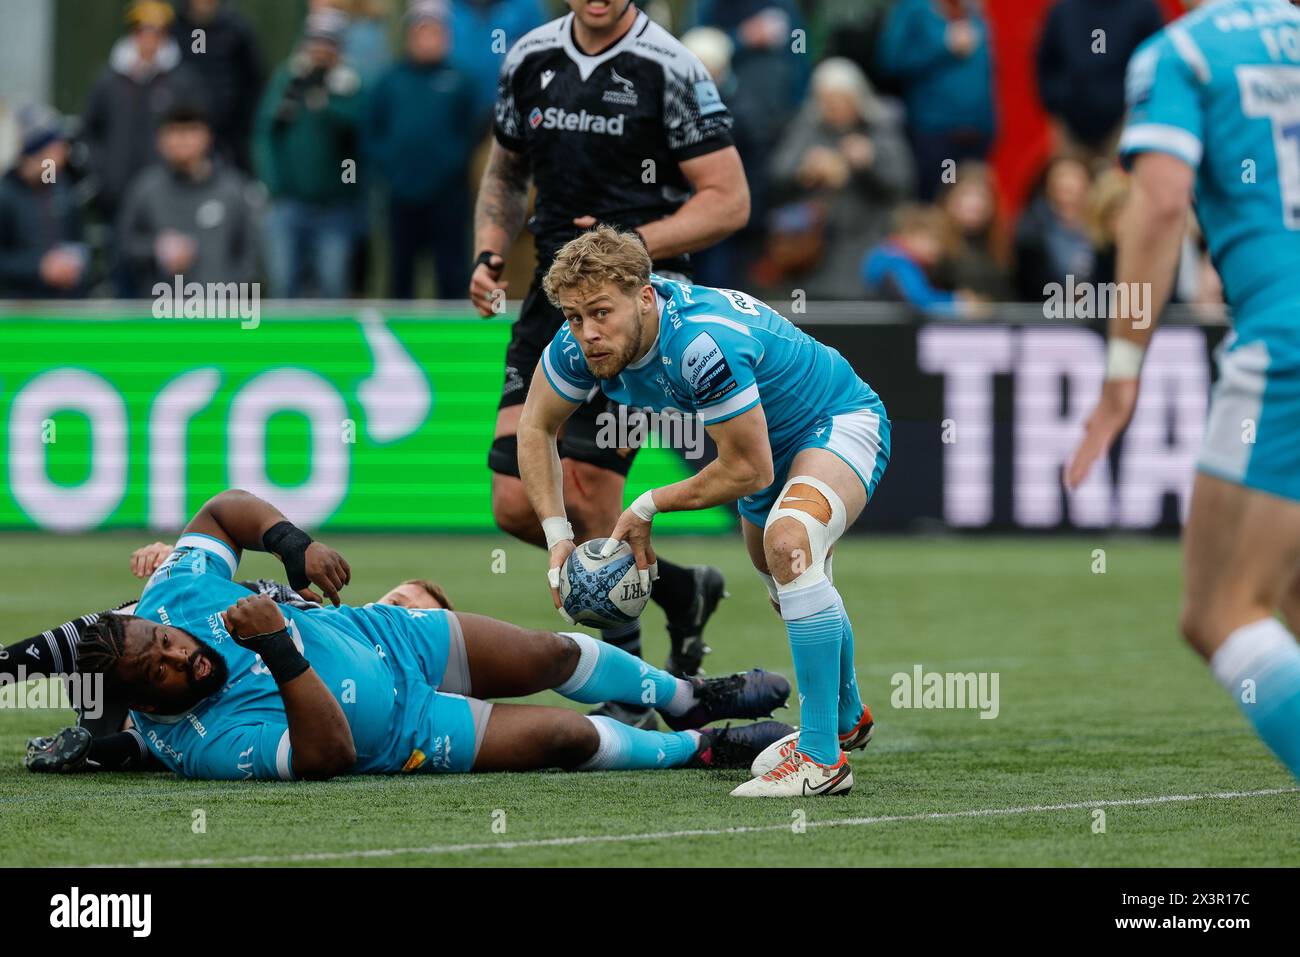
720 353
1220 89
242 731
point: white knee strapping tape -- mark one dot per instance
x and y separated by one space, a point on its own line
820 537
803 597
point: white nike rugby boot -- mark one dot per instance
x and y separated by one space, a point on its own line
800 776
779 751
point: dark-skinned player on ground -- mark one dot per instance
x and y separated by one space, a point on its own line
228 685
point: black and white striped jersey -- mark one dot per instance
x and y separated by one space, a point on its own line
604 133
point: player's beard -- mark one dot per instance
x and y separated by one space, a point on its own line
200 688
612 365
216 677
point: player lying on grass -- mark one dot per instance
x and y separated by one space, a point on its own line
802 442
1206 94
228 685
412 593
110 742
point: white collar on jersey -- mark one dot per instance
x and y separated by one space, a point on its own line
646 359
587 64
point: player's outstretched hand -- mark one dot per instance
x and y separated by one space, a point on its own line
562 550
1108 420
328 571
145 560
634 530
252 616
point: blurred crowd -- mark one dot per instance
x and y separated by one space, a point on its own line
357 157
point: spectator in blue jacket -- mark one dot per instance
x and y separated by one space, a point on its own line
938 50
900 268
482 31
418 138
768 60
365 41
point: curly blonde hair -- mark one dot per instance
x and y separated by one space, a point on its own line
599 256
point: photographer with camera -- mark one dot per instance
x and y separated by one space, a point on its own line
305 131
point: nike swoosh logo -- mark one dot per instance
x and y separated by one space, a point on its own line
824 786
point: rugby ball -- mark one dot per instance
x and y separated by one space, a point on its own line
602 592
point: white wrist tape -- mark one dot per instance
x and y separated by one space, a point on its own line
553 579
1123 359
644 507
556 529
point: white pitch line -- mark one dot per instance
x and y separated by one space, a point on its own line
434 849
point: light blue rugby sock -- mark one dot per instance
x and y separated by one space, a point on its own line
1259 664
815 628
608 673
624 748
850 710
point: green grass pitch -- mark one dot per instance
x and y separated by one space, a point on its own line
1101 710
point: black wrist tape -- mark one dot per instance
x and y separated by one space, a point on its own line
278 652
290 543
485 259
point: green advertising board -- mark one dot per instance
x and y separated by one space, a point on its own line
363 420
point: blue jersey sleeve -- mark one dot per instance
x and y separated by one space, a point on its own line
1163 92
198 747
718 365
566 369
196 554
258 751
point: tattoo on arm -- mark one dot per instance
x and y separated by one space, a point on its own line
503 193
